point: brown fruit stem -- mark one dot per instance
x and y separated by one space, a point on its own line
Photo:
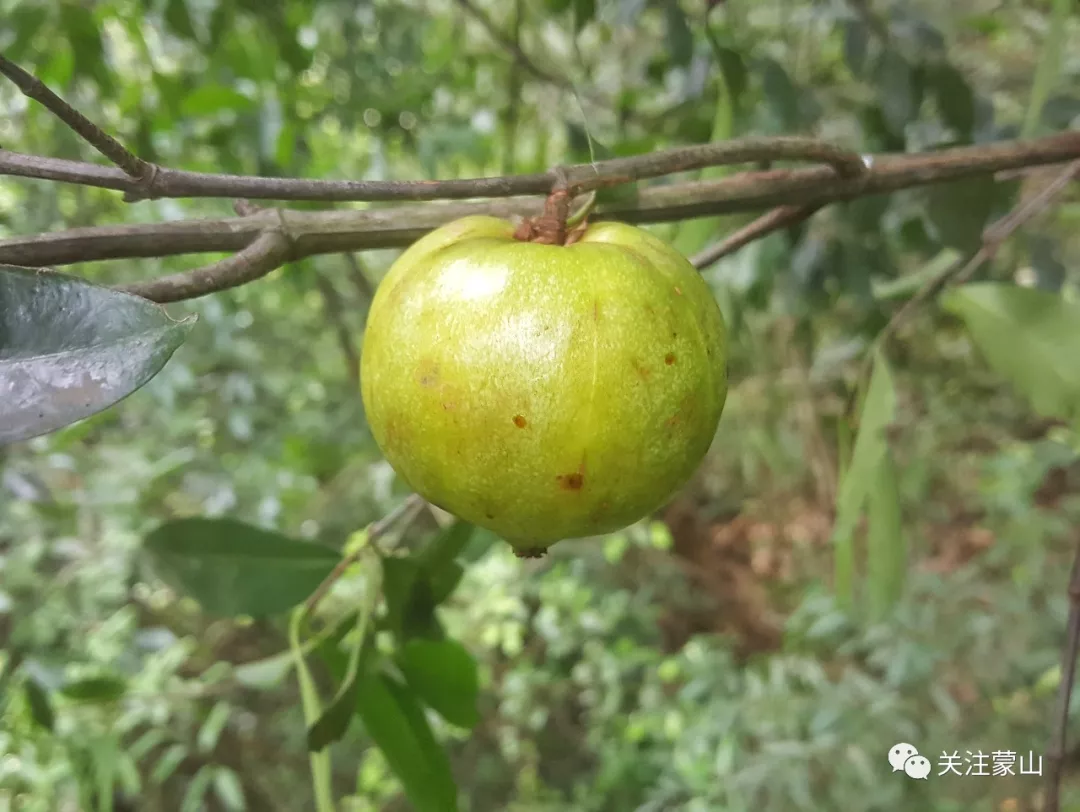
550 227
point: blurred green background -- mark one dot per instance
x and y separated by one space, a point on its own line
699 660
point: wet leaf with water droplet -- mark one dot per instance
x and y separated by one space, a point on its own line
70 349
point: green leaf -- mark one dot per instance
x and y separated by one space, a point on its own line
955 99
680 39
25 21
1029 336
856 45
396 723
211 728
584 12
103 688
959 211
447 546
70 349
41 709
167 764
410 600
897 91
871 444
334 720
780 94
196 789
443 674
178 19
208 99
233 568
886 550
228 789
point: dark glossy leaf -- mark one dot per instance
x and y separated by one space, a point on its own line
69 349
1030 337
443 674
95 689
233 568
395 721
680 39
896 91
41 709
955 99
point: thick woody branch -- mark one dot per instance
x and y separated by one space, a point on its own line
336 231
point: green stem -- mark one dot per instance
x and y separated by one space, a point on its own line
1049 67
309 695
586 209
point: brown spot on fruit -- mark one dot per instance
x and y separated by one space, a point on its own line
449 407
428 373
669 359
572 482
520 421
596 311
490 515
642 370
678 291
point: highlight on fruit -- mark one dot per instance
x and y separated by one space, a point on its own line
545 383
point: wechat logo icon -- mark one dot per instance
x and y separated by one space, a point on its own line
903 757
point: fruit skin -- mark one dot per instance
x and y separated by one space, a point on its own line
544 392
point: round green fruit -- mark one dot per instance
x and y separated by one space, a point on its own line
544 392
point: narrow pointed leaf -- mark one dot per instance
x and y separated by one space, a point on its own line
395 721
70 349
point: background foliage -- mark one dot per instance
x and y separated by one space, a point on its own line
719 655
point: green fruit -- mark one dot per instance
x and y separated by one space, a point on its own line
544 392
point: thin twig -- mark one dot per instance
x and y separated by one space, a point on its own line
406 512
1055 754
335 312
774 220
34 88
267 252
173 183
365 290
